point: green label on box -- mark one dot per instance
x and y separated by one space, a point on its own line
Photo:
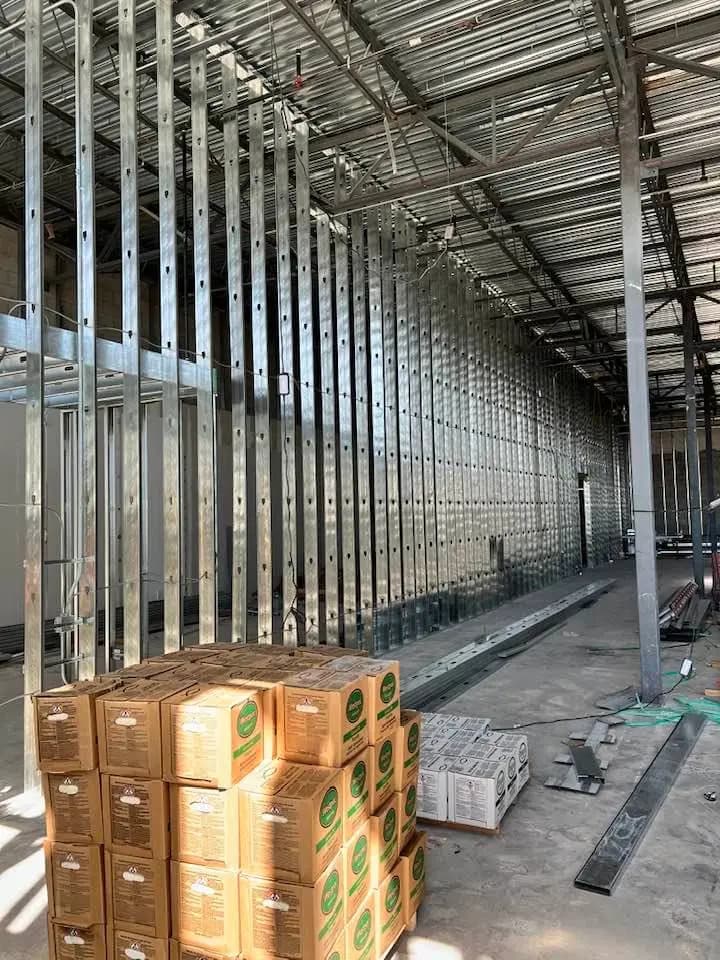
358 779
413 738
363 929
329 808
388 687
355 706
247 720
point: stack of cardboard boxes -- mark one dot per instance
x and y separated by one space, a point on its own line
229 801
469 774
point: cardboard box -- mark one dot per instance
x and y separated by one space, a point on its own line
74 883
322 717
407 748
183 951
291 819
137 892
382 770
73 811
517 744
212 735
361 931
384 839
431 747
383 678
205 907
147 670
128 722
76 943
136 815
65 726
356 854
412 866
135 946
330 651
356 792
281 919
389 911
486 752
408 812
478 796
338 949
266 685
205 825
432 795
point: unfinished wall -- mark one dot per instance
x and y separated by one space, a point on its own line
670 480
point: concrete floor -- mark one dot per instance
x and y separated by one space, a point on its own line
509 897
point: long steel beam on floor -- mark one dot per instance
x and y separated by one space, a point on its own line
611 856
450 672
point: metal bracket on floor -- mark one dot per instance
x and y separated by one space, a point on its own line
587 778
605 865
463 666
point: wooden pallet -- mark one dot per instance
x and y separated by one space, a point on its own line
463 827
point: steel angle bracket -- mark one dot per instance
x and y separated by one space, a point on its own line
448 673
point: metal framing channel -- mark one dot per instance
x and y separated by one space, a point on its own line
639 403
133 590
470 415
392 439
345 415
427 440
693 454
287 381
34 413
439 352
448 363
416 431
307 388
172 526
483 447
203 351
86 311
380 514
236 321
110 531
464 523
363 413
406 499
328 390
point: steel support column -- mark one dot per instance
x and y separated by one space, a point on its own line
236 321
287 383
710 488
638 394
34 412
261 363
693 457
133 592
206 498
172 526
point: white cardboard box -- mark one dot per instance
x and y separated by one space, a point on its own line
477 796
432 790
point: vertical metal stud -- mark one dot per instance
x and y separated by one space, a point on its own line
288 386
439 398
347 453
133 590
377 364
363 415
328 389
428 441
172 526
34 408
406 499
307 387
396 608
236 320
415 434
111 532
206 498
87 435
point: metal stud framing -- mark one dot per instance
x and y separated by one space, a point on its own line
395 583
328 390
204 351
415 437
87 437
236 320
287 381
172 527
346 448
381 637
34 412
428 440
307 389
363 419
133 591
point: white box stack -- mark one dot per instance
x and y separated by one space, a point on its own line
469 774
